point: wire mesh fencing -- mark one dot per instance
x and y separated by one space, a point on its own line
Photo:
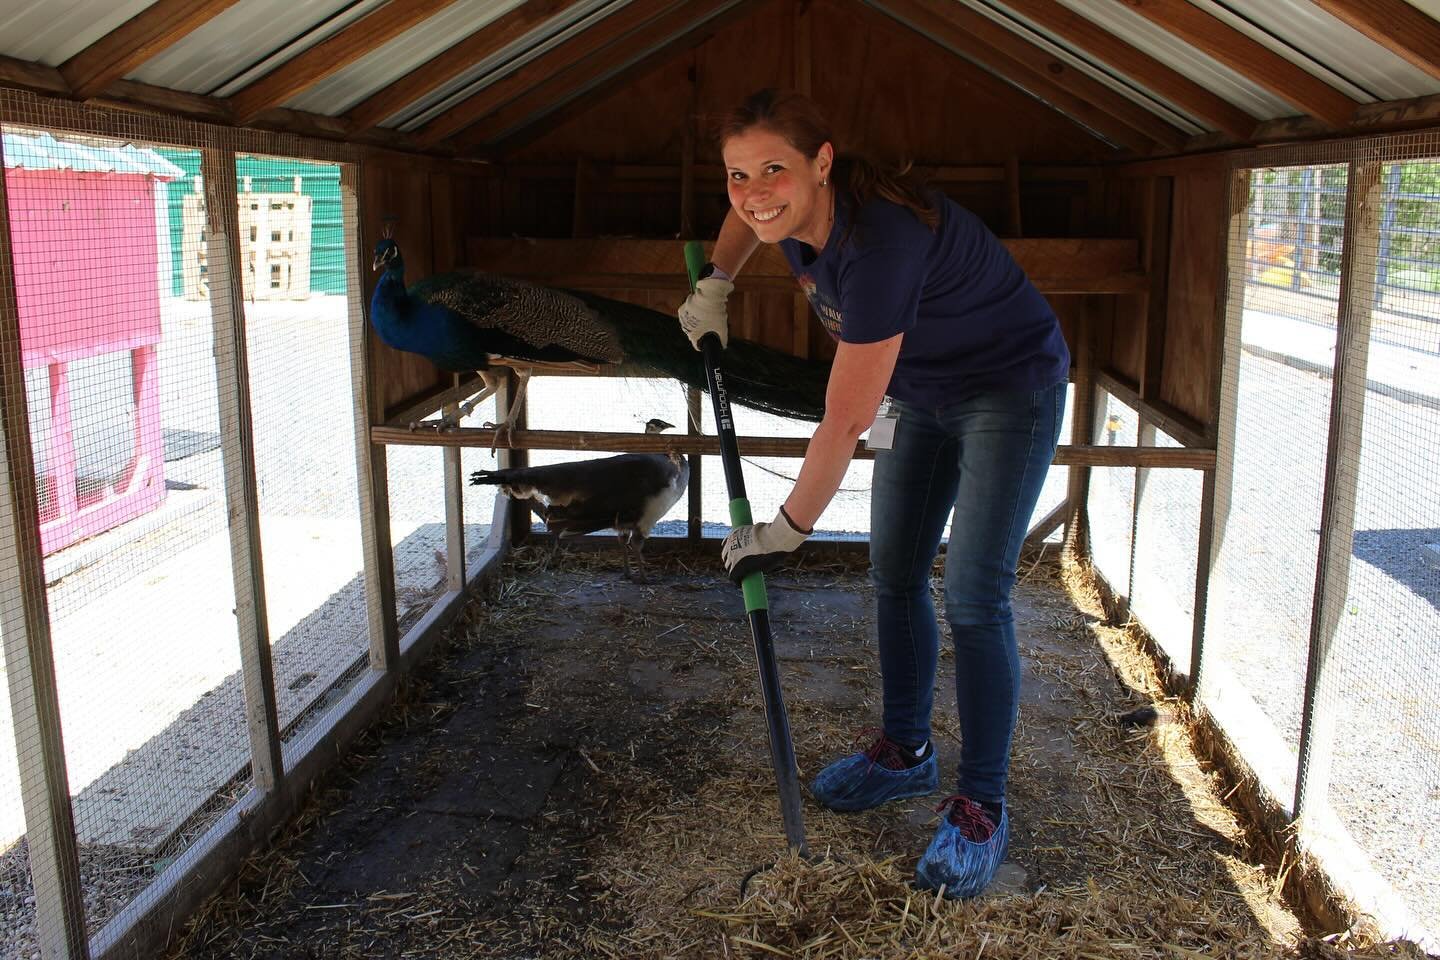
1324 605
1166 538
122 398
1111 502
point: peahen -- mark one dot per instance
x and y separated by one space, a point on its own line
461 320
628 493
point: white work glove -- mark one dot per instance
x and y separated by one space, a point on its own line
760 546
704 311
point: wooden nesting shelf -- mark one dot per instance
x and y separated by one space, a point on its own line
1056 266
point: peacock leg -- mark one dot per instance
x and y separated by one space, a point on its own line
508 426
468 407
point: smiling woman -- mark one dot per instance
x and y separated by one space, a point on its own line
933 317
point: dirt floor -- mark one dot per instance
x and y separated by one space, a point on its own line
583 772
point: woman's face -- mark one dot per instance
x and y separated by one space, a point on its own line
776 188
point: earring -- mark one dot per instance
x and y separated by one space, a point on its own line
824 180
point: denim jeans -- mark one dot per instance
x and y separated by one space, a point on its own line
984 459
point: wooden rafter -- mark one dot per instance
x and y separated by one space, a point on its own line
332 55
681 46
1168 83
494 36
1062 74
666 31
932 26
1395 25
1249 58
515 84
135 41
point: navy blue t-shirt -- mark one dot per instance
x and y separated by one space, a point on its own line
972 320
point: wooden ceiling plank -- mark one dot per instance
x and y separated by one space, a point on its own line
679 47
1165 82
1249 58
677 22
924 22
1394 24
331 55
1059 72
491 97
420 82
135 41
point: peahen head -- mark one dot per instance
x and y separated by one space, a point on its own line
387 255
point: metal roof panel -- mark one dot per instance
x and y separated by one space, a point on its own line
1164 46
215 60
53 31
1372 71
539 41
418 45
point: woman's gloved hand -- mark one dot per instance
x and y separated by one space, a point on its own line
704 311
760 546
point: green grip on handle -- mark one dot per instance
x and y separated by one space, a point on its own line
753 586
694 260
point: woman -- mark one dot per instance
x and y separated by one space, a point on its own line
929 310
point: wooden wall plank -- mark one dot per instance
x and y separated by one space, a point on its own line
1192 339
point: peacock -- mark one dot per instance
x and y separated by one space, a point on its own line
628 493
463 320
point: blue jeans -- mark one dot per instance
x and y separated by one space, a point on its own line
984 458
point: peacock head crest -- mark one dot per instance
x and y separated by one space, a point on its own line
387 254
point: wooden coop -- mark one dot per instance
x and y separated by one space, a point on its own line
1192 184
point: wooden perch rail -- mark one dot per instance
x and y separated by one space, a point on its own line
1054 265
1067 455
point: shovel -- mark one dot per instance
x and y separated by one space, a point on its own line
757 607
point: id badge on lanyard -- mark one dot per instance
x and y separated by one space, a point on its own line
882 431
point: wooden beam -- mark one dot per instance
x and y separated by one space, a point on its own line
135 41
1329 625
28 649
794 447
933 25
331 55
420 82
372 475
1054 265
1061 74
1394 24
1249 58
1163 81
1173 422
224 264
539 100
537 71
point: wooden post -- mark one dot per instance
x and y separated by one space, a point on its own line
804 44
1076 544
232 378
454 510
507 458
1155 261
29 657
372 480
693 421
1217 486
580 213
1342 477
687 159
